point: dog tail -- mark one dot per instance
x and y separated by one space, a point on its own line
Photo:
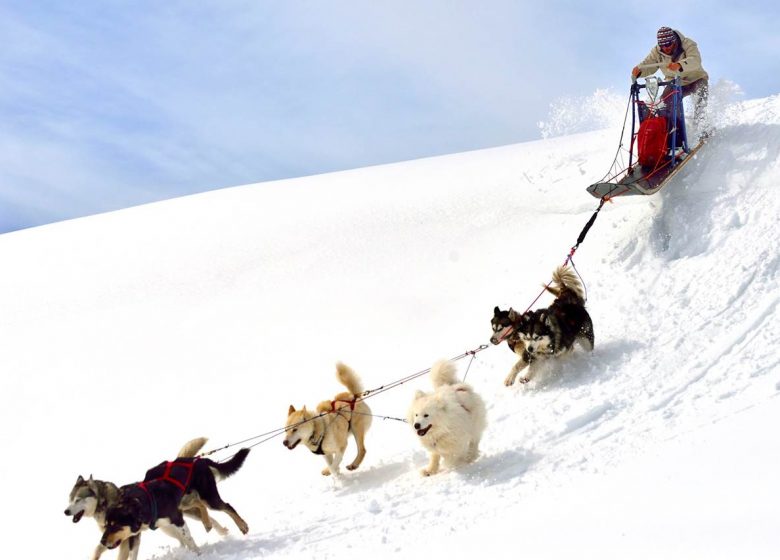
191 448
566 279
443 373
347 377
231 466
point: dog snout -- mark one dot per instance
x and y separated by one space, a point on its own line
493 340
110 541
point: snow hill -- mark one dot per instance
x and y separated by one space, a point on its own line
124 335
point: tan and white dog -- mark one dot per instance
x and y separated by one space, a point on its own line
449 422
326 430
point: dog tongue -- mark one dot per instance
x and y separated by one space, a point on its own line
424 431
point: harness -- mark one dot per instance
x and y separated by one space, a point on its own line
187 466
319 450
152 505
462 390
167 476
334 410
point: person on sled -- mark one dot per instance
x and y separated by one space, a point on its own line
678 55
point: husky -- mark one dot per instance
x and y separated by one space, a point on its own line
92 498
449 422
326 430
155 502
548 332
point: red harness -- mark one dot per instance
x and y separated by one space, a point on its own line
350 403
188 467
461 404
168 477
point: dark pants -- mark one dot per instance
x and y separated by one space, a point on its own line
700 90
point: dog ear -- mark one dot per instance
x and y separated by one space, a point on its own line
290 410
80 479
419 394
512 314
496 310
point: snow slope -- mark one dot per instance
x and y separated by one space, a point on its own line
125 334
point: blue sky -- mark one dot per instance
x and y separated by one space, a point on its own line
106 104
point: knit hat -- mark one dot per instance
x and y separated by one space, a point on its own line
666 36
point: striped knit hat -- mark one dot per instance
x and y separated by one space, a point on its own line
666 36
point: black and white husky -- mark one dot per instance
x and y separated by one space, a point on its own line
92 498
547 332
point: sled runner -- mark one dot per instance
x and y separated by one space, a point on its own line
659 147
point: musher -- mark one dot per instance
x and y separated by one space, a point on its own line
679 56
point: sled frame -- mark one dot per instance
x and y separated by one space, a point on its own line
637 180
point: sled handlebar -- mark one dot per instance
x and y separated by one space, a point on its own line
654 67
637 86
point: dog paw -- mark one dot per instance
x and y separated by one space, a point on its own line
325 472
244 528
351 467
525 380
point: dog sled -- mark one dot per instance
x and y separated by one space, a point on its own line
659 141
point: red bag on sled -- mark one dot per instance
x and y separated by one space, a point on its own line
651 141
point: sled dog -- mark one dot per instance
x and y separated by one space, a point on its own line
449 421
156 501
92 498
325 431
547 332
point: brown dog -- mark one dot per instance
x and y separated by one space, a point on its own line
326 431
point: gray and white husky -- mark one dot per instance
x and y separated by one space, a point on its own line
92 498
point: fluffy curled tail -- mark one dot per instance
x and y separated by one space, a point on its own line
443 373
229 467
348 378
566 280
191 448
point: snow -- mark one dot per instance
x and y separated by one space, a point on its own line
128 333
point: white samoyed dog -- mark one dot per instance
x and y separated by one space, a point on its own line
449 421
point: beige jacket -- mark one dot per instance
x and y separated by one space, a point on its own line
689 57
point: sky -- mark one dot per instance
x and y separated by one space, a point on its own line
108 104
126 334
